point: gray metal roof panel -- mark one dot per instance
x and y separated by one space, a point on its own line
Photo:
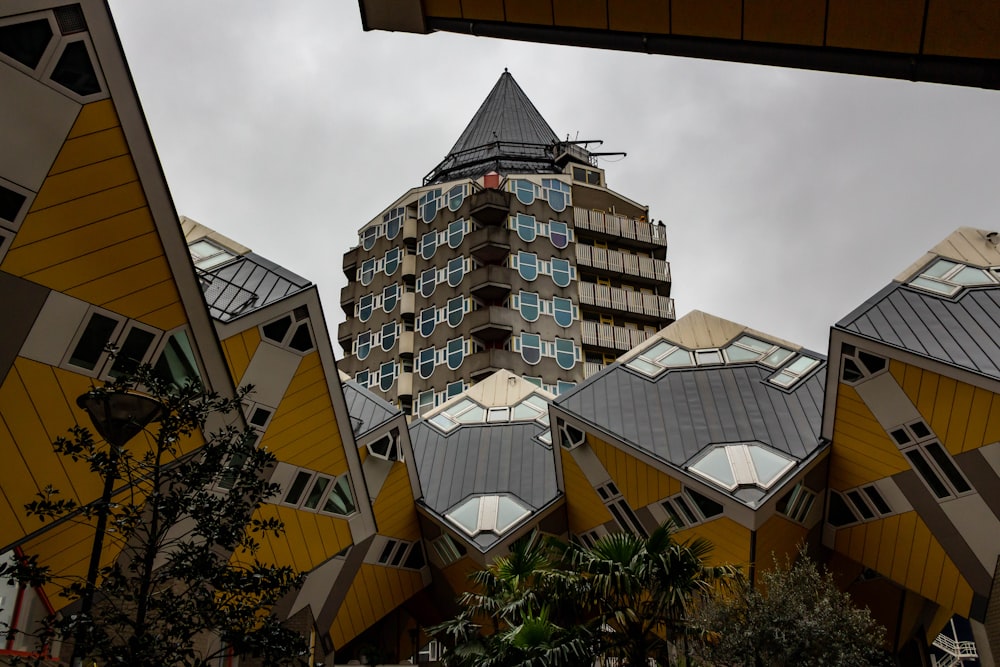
247 284
483 459
675 416
962 331
367 411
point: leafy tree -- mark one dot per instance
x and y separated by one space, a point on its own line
550 603
640 591
183 528
798 616
521 613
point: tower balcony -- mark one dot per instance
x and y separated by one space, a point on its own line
637 268
489 245
620 228
351 259
610 337
490 207
492 325
490 284
620 300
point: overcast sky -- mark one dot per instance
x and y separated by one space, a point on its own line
789 197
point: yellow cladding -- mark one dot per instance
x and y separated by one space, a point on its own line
962 416
395 514
777 538
902 548
304 430
89 232
309 538
375 591
730 541
639 482
66 550
457 575
38 404
584 508
239 349
862 451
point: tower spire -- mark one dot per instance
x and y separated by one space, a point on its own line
506 134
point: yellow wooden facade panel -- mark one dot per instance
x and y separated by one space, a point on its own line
166 318
118 286
94 117
394 509
584 508
446 9
375 591
483 10
707 18
992 433
457 574
730 541
151 300
646 16
581 13
81 212
776 538
70 185
239 350
963 28
90 149
529 11
640 483
978 417
18 485
785 21
78 241
98 264
876 25
902 548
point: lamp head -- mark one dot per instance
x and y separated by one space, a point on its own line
118 416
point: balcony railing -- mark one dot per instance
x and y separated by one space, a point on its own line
624 263
627 301
591 368
621 226
611 337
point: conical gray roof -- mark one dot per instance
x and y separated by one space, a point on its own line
506 135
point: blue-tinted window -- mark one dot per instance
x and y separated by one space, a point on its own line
531 348
528 302
456 232
456 271
527 265
561 272
558 233
456 311
390 296
526 227
368 238
362 378
393 222
392 261
388 336
562 311
367 271
565 354
386 375
364 344
427 205
426 321
456 353
428 244
524 191
365 307
425 362
454 389
428 281
455 197
557 193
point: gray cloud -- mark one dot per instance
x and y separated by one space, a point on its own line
789 196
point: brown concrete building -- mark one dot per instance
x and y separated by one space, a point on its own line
513 254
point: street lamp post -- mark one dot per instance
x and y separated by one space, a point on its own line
118 416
